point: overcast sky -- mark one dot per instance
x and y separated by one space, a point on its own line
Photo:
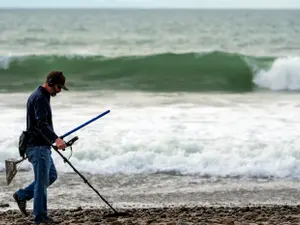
154 3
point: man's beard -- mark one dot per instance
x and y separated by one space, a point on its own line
53 94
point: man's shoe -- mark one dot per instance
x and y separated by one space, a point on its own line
21 204
47 220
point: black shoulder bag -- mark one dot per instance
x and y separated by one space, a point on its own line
23 140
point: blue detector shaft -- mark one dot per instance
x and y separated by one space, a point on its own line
116 213
85 124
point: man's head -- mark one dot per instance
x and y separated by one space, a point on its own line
55 81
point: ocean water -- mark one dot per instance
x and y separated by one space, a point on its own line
204 103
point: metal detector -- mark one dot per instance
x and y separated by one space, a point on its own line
12 168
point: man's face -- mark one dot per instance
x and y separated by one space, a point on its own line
55 90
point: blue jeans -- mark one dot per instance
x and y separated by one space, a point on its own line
44 175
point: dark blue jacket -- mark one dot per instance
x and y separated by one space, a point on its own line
39 115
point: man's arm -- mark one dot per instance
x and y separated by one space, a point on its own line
41 113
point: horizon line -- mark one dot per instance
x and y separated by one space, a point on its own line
155 8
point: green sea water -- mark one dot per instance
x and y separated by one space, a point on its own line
149 50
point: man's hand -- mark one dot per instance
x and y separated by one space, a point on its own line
60 143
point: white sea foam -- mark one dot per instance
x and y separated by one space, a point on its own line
255 135
283 75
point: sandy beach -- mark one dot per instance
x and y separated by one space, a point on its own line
228 202
168 216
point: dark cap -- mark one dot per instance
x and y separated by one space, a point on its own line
57 77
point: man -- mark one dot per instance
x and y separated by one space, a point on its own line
38 149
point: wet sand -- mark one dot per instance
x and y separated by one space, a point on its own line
273 214
161 199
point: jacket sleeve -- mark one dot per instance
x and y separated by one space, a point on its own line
41 112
